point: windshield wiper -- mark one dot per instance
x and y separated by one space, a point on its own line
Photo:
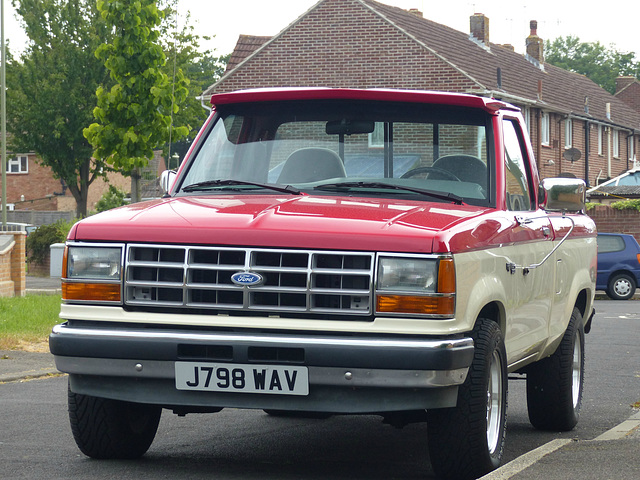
450 197
225 183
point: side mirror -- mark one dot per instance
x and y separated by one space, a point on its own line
166 180
562 195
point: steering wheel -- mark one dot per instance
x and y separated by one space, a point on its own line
419 170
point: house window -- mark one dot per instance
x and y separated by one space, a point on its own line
376 138
18 164
568 133
527 118
600 129
616 143
544 129
631 150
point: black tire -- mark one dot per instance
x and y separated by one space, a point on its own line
111 429
621 287
555 383
467 441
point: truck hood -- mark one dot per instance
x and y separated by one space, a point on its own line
310 222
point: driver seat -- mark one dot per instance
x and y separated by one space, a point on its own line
310 165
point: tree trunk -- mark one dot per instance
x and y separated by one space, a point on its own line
136 194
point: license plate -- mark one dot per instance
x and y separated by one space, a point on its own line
240 378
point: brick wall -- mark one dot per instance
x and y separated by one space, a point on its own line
12 266
616 221
6 283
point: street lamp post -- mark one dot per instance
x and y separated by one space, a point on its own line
3 82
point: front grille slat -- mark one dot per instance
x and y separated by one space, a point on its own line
293 281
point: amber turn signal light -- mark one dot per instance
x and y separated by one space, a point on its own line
424 305
97 292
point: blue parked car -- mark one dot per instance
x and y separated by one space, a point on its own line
618 265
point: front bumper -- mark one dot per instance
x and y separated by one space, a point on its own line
346 374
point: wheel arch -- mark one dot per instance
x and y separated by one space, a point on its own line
622 271
496 312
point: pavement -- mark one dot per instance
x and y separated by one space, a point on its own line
613 455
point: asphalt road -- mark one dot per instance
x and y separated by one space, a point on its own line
36 442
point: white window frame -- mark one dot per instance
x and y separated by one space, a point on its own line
630 146
615 140
600 137
18 162
568 133
544 129
526 112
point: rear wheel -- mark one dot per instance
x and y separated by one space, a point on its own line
554 384
467 441
112 429
621 287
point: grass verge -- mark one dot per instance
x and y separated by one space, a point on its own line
27 320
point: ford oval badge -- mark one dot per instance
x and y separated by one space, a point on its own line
248 279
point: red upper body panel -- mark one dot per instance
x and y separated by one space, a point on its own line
308 222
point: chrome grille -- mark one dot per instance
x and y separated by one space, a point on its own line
294 281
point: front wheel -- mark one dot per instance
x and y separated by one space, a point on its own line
112 429
555 383
467 441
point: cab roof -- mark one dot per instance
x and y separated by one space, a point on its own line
383 95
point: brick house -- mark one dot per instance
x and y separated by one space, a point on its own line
366 44
32 186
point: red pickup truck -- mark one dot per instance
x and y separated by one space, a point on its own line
336 251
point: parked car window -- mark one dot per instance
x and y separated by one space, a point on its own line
610 243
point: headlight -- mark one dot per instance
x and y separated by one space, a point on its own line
92 273
94 263
413 285
407 274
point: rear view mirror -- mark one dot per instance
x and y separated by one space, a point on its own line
562 195
349 127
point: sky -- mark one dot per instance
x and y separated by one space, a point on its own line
613 24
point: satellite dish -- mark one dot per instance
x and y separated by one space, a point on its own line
572 154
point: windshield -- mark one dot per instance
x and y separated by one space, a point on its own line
409 148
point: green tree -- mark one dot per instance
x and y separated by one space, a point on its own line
112 198
51 90
134 116
202 68
593 60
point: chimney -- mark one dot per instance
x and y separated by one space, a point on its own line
479 25
535 45
623 82
416 12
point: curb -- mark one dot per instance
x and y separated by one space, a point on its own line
626 428
516 466
29 375
525 461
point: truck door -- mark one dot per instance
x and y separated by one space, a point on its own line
529 295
